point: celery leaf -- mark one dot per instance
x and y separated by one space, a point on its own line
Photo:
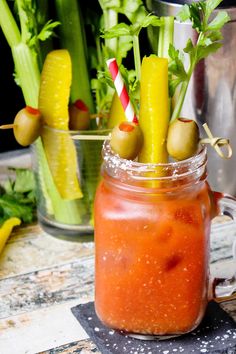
125 43
134 10
150 20
210 6
121 29
221 18
176 69
48 30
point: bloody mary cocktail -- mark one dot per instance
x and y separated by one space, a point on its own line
152 244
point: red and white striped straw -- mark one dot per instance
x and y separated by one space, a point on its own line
122 91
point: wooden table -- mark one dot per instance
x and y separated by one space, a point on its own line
42 277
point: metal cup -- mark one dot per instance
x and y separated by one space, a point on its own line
211 96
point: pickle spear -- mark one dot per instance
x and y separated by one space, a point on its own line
53 105
154 109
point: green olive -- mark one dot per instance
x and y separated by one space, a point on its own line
126 140
79 116
27 125
182 138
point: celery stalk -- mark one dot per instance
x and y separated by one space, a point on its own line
165 38
166 34
27 71
8 25
137 60
72 39
65 211
28 74
110 19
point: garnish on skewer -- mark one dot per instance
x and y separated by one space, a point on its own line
79 116
27 125
182 138
126 140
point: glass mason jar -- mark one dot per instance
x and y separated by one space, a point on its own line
152 227
67 170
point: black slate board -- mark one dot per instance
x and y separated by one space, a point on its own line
216 334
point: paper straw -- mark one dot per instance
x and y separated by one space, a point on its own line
121 90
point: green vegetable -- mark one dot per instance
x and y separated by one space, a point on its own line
17 197
25 46
209 41
166 34
72 38
105 49
133 30
138 18
110 19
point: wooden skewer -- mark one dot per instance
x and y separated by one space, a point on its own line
7 126
217 143
91 137
99 115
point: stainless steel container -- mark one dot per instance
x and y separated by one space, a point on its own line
211 95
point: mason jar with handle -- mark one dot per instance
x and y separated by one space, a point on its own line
211 96
152 229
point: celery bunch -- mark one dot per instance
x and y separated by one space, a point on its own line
26 52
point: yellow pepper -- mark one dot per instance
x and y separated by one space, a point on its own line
116 114
154 109
6 230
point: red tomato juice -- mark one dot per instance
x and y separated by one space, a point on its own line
151 259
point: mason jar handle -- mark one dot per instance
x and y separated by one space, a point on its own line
224 289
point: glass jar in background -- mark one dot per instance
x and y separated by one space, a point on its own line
152 227
67 170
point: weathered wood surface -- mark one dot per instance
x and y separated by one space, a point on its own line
41 278
82 347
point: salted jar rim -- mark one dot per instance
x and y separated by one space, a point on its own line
118 167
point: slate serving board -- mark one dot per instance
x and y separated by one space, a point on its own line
216 334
